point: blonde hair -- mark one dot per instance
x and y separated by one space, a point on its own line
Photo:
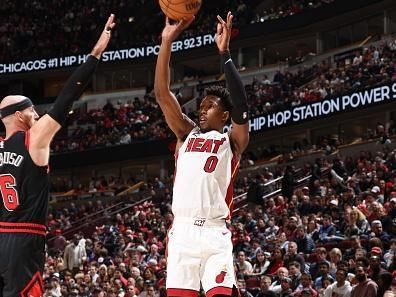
360 215
336 251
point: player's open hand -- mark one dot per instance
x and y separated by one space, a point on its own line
104 38
223 33
172 31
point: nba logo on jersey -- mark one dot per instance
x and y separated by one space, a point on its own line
2 144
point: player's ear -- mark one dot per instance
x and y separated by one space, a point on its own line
19 116
225 116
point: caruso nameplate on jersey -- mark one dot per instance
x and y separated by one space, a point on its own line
10 158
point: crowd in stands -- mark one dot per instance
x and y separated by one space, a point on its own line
369 66
332 235
137 120
96 184
285 9
34 29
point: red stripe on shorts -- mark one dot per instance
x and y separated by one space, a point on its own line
219 291
181 293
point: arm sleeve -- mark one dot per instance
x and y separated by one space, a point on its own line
235 86
73 89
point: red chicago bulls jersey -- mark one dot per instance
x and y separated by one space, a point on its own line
205 170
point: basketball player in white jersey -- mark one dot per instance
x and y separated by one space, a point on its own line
199 243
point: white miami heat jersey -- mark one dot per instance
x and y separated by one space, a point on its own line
204 175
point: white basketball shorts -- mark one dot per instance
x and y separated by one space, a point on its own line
199 250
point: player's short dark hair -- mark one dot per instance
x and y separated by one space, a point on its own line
221 93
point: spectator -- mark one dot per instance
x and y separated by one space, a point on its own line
59 241
305 285
242 288
272 229
255 192
365 287
280 275
74 255
288 182
324 268
375 269
153 253
261 263
377 231
295 274
305 244
149 290
265 283
388 257
327 230
130 292
292 256
242 244
55 286
384 285
276 261
341 287
320 256
335 257
243 266
362 222
351 228
285 288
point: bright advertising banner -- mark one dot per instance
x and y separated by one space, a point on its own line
320 109
109 56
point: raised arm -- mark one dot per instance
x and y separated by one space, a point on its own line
178 122
43 131
239 116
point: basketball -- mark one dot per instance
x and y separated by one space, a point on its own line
177 9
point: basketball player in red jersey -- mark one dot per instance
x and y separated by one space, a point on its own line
199 244
24 183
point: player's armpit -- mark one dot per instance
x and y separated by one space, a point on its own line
40 137
239 136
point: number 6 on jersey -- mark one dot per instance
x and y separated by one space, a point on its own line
8 192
